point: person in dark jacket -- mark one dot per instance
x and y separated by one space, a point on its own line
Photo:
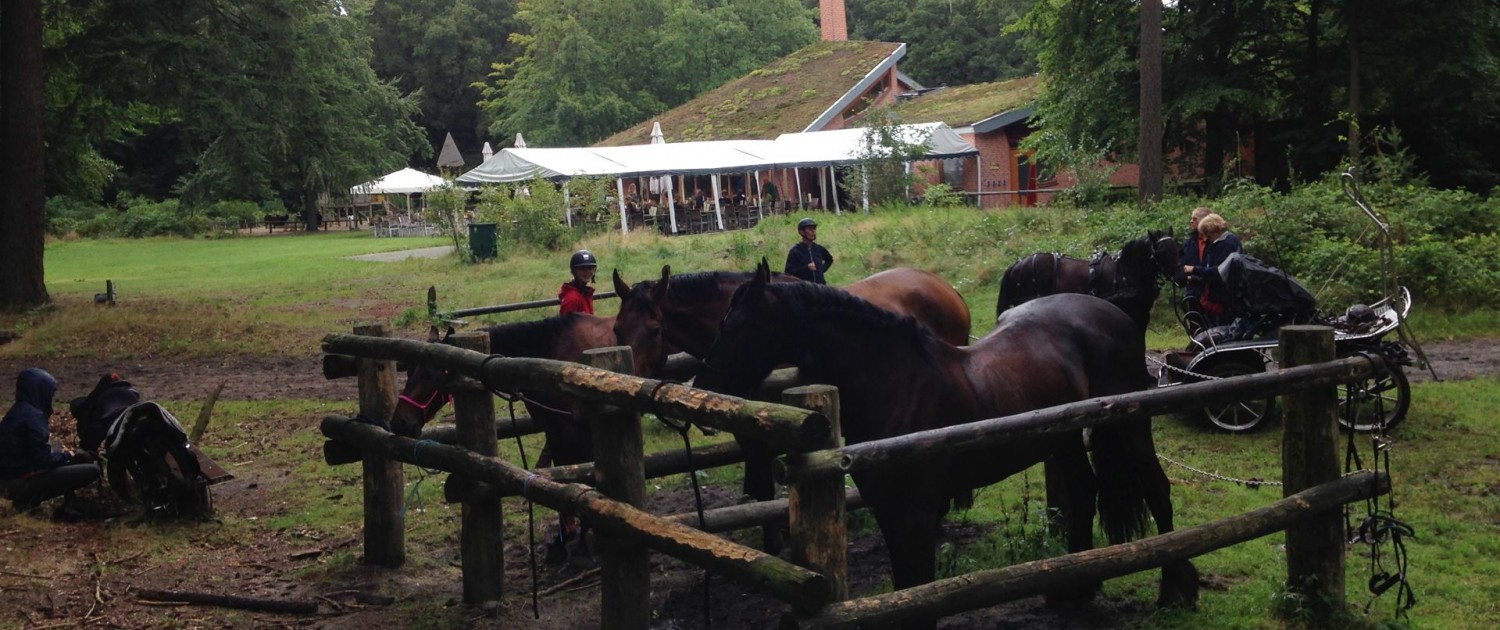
1218 244
576 294
31 470
808 260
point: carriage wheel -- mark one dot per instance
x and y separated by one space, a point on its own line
1393 393
1245 415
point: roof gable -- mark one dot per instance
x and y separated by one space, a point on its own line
980 104
783 97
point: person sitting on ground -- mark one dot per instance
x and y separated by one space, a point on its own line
31 469
1219 243
807 259
576 294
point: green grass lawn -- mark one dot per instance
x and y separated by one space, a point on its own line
279 295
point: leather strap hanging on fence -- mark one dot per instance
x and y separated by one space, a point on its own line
1379 526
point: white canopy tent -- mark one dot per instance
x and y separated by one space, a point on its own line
817 149
407 181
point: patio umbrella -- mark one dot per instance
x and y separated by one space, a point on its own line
487 152
520 142
449 157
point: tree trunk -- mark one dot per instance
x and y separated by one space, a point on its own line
22 218
1149 146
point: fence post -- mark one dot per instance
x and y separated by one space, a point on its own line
815 508
481 537
1314 546
385 525
625 570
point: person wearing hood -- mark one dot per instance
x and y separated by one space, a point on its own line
31 469
576 296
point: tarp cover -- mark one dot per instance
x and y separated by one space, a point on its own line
403 182
810 149
1260 289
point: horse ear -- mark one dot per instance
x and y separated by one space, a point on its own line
763 271
659 292
449 334
621 289
432 334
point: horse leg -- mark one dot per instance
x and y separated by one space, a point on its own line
1071 492
759 485
909 523
1179 580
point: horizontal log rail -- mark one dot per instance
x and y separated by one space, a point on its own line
782 425
787 582
952 440
657 465
507 308
737 517
987 588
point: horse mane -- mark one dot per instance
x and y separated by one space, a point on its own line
810 300
530 339
699 286
1137 258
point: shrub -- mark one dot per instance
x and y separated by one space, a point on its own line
66 214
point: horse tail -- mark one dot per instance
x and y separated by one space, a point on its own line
1121 451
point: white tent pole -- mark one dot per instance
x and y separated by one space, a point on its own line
864 189
760 197
833 189
823 187
567 204
718 209
620 195
797 175
979 181
671 205
906 172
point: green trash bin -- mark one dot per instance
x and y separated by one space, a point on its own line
482 240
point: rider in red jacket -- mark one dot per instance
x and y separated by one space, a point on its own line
576 294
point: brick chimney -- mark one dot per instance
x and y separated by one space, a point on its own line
831 18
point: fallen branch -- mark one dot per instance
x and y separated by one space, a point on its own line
231 601
26 575
591 573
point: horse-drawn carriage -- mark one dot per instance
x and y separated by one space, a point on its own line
1263 300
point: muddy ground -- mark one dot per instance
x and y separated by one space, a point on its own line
55 575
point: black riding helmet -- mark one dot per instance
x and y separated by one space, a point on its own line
583 258
806 223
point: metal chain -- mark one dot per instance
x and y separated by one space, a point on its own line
1249 483
1182 371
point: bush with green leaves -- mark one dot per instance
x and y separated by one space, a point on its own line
528 215
67 214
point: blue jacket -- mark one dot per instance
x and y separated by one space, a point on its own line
24 446
1206 272
803 253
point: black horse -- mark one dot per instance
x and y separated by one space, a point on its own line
1127 279
894 377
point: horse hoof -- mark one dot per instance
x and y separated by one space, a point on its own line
1179 587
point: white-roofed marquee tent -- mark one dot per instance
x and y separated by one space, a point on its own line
814 149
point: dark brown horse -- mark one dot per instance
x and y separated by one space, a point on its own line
685 311
894 377
1127 279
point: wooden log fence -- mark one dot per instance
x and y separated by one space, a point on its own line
815 469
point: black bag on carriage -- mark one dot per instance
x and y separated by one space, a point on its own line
146 451
1262 299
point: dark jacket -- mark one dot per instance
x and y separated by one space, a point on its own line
1190 257
24 446
575 300
1206 271
803 253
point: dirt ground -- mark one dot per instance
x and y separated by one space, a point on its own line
55 575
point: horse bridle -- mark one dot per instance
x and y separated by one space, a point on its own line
436 394
1162 274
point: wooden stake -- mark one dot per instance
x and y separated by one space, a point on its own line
385 525
625 569
815 507
481 541
1314 546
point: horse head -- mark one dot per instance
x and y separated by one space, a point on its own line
751 339
1166 252
425 393
639 322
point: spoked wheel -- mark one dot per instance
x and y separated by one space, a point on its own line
1379 403
1245 415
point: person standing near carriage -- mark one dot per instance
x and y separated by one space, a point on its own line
31 470
808 260
576 294
1215 243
